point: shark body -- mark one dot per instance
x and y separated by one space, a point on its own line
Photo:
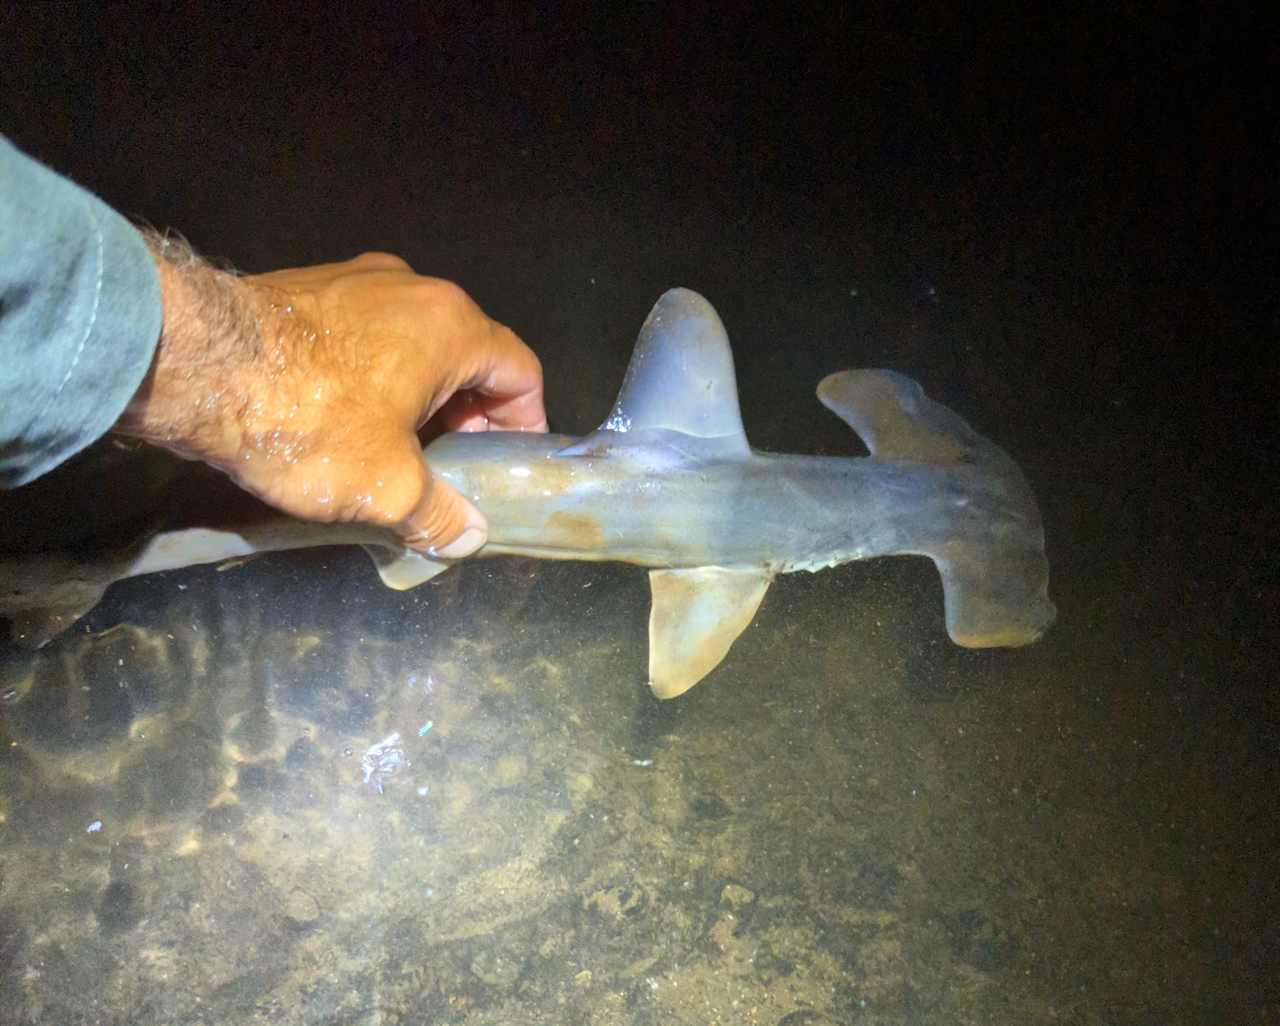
670 482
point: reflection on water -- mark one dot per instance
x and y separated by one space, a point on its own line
835 827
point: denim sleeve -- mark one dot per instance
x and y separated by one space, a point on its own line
79 317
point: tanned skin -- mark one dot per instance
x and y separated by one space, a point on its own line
308 386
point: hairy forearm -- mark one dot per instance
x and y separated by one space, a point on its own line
307 385
192 397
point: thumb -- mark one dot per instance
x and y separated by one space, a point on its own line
442 523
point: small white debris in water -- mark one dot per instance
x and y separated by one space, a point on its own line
641 762
383 760
519 471
425 729
422 791
93 827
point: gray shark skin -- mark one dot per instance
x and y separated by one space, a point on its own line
669 482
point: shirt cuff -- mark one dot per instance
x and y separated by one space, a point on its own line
80 315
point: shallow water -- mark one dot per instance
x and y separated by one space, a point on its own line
851 821
556 840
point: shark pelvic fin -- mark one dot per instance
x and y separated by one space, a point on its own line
696 616
897 420
402 569
680 379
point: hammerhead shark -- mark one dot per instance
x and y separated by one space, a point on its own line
669 482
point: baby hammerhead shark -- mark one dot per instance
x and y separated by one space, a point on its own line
669 482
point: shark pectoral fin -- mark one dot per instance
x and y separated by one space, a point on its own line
403 569
697 615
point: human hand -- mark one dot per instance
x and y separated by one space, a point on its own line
307 387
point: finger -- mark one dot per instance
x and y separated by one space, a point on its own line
506 382
426 513
449 527
442 523
464 412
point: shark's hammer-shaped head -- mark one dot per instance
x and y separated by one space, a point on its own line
973 512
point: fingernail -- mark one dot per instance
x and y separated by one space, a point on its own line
463 545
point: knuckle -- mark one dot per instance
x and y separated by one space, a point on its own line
448 297
375 260
518 346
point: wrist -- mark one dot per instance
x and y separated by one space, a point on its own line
190 401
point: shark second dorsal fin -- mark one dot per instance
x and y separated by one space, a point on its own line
680 379
697 615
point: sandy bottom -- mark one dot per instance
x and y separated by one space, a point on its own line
204 817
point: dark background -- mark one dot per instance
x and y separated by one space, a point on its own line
1062 224
1107 164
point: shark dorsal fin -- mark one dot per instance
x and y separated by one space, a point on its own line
680 379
